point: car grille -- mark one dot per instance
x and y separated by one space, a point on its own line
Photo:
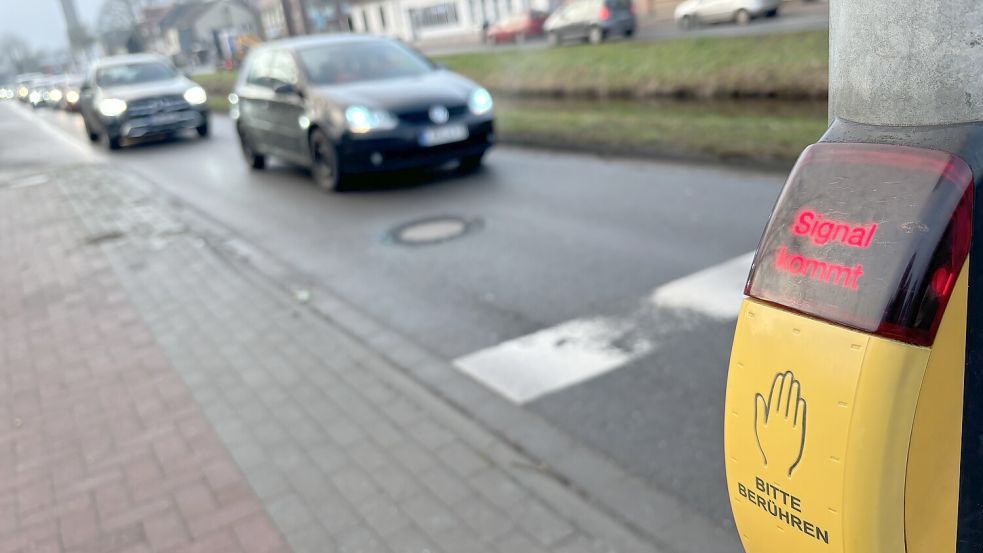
152 106
423 115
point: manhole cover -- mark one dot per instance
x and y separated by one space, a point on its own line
432 230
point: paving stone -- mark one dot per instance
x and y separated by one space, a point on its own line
411 540
546 527
486 520
498 488
290 512
445 485
361 540
383 515
517 542
462 459
395 482
354 484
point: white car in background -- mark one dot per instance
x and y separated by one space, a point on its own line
694 12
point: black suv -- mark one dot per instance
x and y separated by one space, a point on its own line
138 96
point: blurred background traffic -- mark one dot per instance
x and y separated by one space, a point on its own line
708 79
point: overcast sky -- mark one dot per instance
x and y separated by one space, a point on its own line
41 22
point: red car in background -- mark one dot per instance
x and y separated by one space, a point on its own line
517 28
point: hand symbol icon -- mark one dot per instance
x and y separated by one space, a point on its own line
780 423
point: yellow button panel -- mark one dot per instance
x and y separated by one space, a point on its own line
817 424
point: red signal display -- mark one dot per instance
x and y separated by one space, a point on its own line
868 236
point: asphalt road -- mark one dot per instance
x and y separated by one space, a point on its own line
559 237
795 17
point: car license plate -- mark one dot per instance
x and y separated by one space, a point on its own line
435 136
165 118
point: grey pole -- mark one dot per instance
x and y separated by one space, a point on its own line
906 62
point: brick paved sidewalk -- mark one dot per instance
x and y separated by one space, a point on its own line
158 396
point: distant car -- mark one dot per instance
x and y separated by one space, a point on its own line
37 92
695 12
137 96
591 20
25 82
517 28
344 104
71 89
8 91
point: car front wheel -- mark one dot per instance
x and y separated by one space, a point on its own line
113 142
254 159
324 162
470 164
93 136
553 38
742 17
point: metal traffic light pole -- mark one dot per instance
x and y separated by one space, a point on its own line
906 62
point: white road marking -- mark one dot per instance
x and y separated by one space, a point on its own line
716 291
29 181
537 364
532 366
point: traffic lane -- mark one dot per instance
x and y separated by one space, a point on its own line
563 236
793 18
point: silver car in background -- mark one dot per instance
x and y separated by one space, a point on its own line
695 12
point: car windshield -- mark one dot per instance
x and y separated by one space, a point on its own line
361 61
134 73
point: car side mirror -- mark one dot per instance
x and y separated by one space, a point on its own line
287 88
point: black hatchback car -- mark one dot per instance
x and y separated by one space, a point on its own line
137 96
347 104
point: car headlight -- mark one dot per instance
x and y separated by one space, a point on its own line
72 97
111 107
22 92
361 119
35 97
195 95
54 95
480 102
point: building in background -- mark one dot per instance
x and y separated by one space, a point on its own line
206 34
273 18
415 20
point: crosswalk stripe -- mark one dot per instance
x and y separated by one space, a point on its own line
532 366
716 291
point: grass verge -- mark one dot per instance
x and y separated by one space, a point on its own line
218 86
791 66
756 131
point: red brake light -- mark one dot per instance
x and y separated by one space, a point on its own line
869 236
605 13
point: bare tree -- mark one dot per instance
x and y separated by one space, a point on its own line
119 25
16 52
